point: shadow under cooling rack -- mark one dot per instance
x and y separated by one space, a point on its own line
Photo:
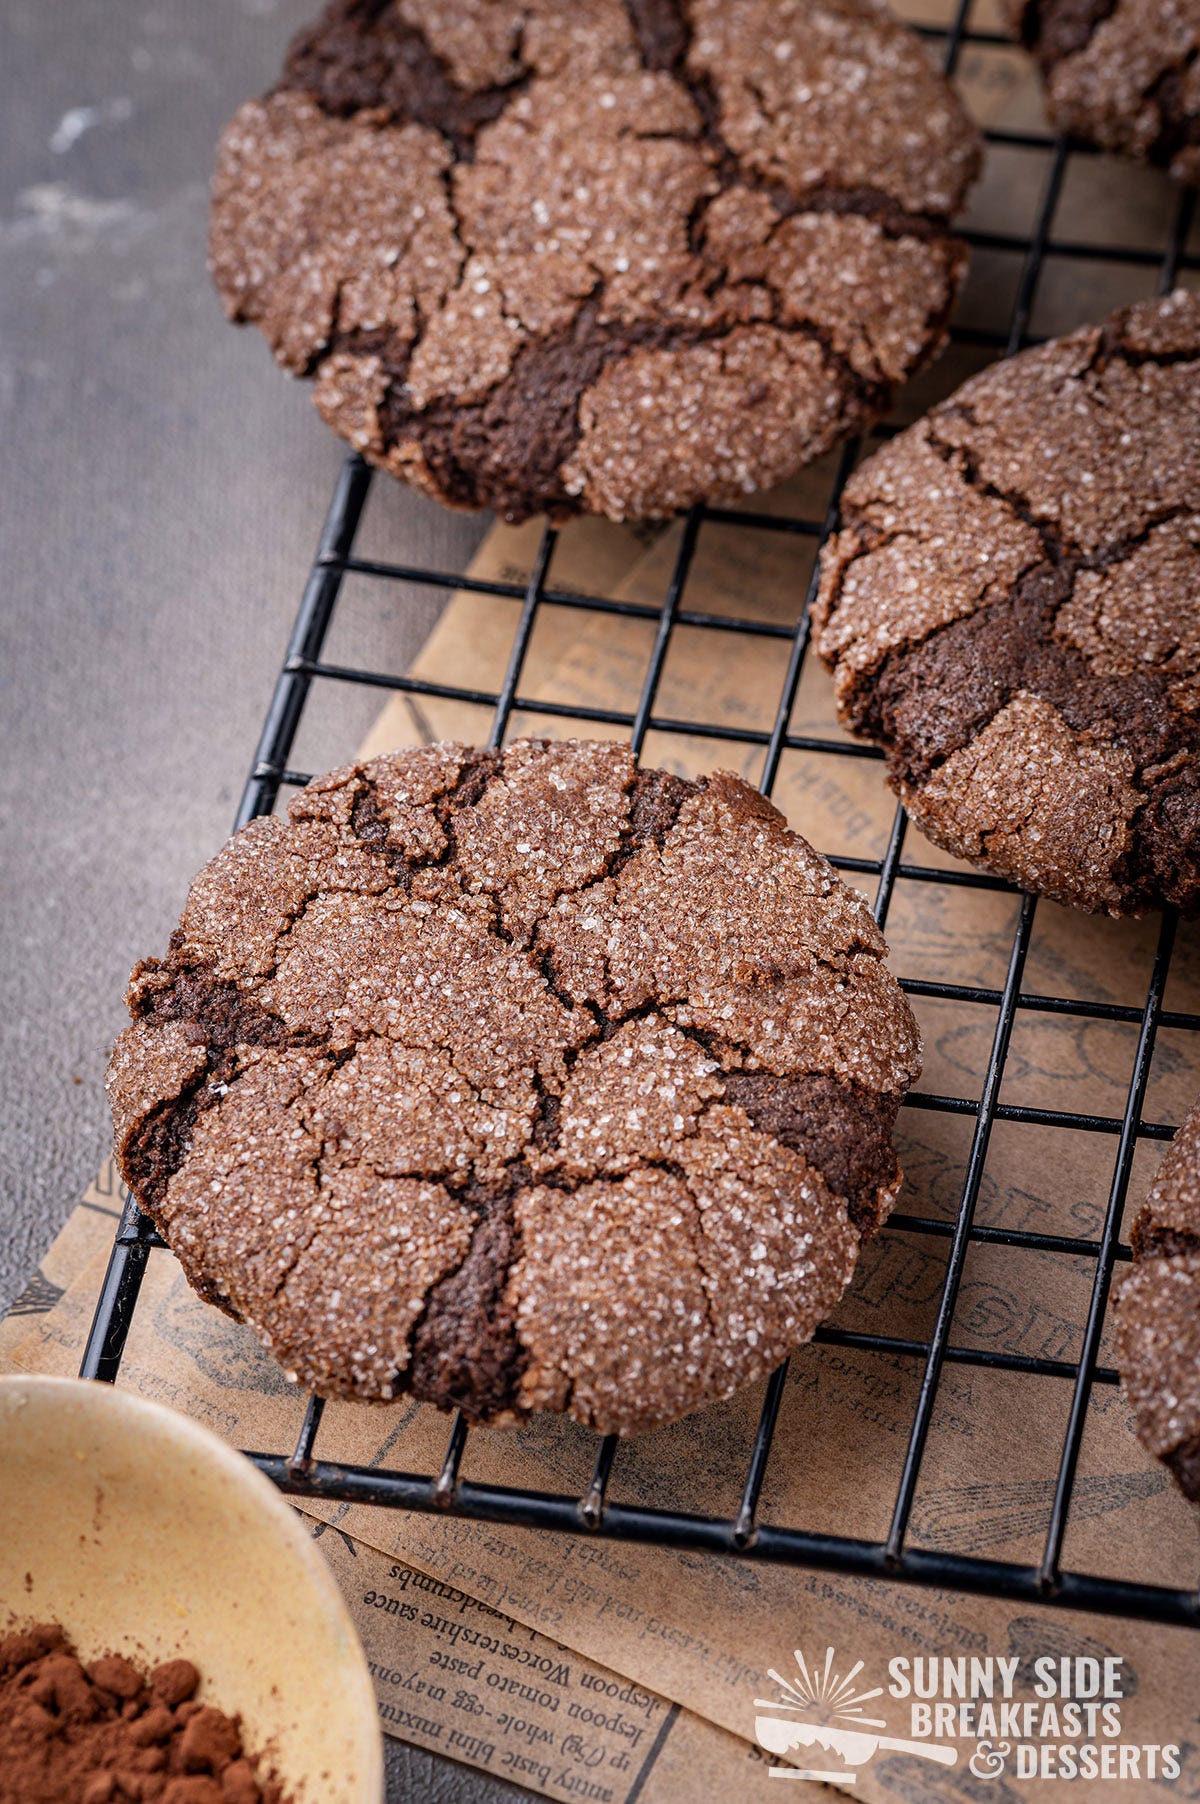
301 1472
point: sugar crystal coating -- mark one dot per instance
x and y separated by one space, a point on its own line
1158 1312
1012 610
1122 74
600 257
518 1081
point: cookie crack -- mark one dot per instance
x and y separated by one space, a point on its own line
961 459
370 823
225 1016
842 1131
364 56
915 706
1179 128
463 443
655 799
841 1128
219 1016
159 1146
927 699
464 1350
365 60
1153 1239
316 1168
1061 562
708 1278
1184 1462
1053 30
446 182
664 34
1056 548
432 1172
551 372
875 204
1113 347
545 965
702 1245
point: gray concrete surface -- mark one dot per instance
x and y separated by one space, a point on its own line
163 487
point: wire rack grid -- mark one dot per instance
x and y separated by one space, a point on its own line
301 1472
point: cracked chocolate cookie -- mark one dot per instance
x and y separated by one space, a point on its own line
519 1081
1122 74
596 257
1012 611
1158 1313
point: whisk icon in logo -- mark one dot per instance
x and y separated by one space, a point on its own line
821 1709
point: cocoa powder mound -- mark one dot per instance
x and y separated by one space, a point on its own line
107 1733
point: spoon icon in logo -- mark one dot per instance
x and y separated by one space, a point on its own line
822 1709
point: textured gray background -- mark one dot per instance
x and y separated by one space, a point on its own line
163 487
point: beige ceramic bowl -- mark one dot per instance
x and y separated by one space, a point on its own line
144 1534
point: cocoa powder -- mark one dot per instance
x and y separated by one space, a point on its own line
109 1733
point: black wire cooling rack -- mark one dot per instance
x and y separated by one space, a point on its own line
302 1473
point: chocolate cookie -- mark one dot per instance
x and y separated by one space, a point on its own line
1158 1313
596 257
1122 74
1012 610
519 1081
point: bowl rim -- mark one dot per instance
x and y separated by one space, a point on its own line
88 1395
